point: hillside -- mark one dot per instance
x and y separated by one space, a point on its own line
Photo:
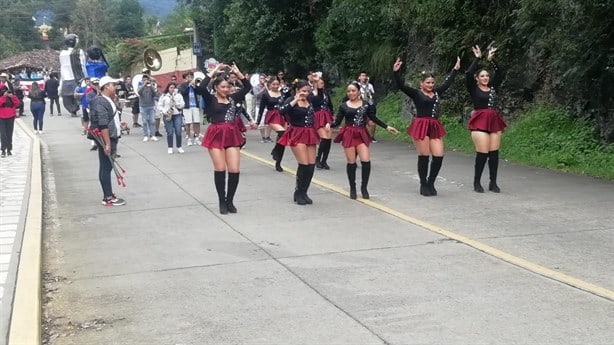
158 8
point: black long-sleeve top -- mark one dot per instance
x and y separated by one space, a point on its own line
221 112
297 116
269 102
357 117
425 106
321 100
483 99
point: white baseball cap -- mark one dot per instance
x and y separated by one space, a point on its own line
4 75
106 80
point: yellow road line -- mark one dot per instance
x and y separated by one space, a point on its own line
26 314
514 260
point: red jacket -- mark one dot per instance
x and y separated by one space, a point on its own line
10 111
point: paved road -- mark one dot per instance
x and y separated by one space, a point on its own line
168 269
14 186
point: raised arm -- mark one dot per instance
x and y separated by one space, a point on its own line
398 79
449 79
498 75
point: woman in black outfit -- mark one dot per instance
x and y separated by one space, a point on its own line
223 137
354 136
302 137
323 114
272 99
486 125
425 129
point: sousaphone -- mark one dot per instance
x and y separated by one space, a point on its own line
152 59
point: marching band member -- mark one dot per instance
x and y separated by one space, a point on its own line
425 129
223 138
272 99
486 124
354 136
171 102
321 101
302 137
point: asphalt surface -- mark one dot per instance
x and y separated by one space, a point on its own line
167 268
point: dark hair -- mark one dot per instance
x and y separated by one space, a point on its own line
424 75
480 71
169 85
185 75
355 83
35 91
363 72
218 80
299 84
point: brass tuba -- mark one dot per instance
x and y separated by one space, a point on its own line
152 59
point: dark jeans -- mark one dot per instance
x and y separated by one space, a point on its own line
173 127
105 168
6 134
55 100
38 111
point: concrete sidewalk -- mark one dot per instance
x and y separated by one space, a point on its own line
168 269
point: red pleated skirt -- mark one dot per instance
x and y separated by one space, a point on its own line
486 120
273 116
299 135
350 136
321 118
222 135
240 124
422 127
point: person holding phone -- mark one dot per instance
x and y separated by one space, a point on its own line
8 112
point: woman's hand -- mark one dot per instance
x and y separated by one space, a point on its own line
236 70
327 126
397 65
491 53
458 65
477 51
253 125
392 130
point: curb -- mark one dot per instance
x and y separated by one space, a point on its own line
25 326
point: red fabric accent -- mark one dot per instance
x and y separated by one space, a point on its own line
273 116
321 118
422 127
487 120
299 135
222 135
350 136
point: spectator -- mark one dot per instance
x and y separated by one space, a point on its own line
51 88
8 111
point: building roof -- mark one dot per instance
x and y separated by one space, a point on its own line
34 59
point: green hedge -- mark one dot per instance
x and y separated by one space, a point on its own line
545 136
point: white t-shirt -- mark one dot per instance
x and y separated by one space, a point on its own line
65 65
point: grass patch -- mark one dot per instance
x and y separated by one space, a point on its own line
545 136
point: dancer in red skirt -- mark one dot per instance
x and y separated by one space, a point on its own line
486 125
272 99
354 136
302 138
321 101
223 137
425 129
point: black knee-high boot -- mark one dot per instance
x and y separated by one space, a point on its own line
299 195
278 152
480 162
308 177
233 183
435 167
423 169
365 168
220 186
493 167
323 152
350 168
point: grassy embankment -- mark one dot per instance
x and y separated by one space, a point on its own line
544 136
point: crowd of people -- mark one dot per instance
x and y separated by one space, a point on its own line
301 114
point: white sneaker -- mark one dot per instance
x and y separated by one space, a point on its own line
35 131
180 150
170 151
154 138
189 142
145 139
40 132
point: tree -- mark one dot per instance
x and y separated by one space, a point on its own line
127 19
91 23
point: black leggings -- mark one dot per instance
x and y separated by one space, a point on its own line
6 134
